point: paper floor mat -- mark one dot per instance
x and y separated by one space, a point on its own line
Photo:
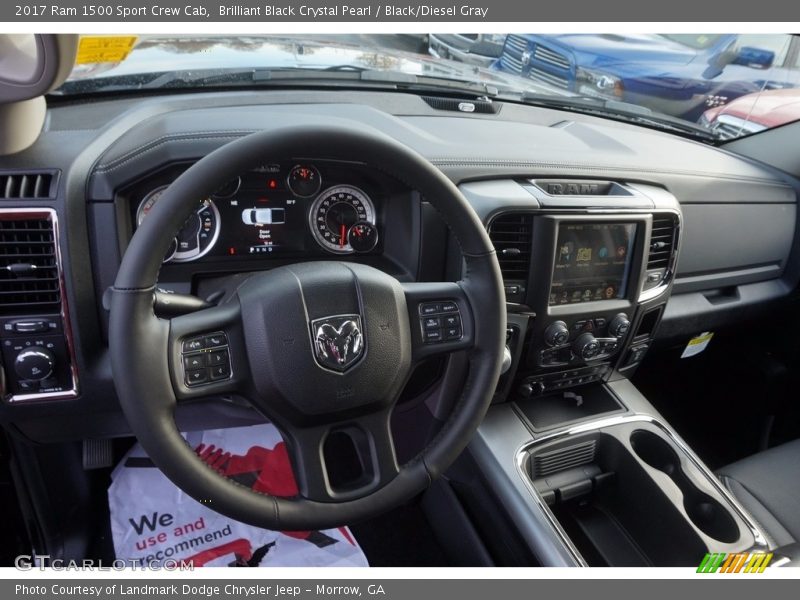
153 521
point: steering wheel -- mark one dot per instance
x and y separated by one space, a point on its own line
323 349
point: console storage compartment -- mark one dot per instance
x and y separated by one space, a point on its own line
627 494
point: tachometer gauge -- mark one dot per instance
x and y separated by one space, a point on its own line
197 235
304 181
334 212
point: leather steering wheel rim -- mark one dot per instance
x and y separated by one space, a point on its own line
139 341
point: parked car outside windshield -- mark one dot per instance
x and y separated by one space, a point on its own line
678 74
660 81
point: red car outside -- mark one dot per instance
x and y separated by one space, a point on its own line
753 113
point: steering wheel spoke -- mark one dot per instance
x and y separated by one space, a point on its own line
440 315
206 352
345 460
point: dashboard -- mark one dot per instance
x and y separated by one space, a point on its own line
612 238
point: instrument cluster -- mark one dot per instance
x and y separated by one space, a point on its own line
280 210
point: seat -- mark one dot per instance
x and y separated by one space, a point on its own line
767 484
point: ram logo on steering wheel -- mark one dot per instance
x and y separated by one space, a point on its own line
338 342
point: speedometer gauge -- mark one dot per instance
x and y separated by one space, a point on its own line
197 235
334 212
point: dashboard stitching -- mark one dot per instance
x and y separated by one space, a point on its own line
153 144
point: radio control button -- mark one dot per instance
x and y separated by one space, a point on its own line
194 361
220 372
193 344
196 377
215 340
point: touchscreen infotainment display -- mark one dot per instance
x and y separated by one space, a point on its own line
592 263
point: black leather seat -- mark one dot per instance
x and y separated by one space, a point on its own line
768 485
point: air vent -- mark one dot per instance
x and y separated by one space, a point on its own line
512 234
29 276
465 106
662 242
28 186
554 461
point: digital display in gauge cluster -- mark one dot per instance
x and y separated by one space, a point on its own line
275 210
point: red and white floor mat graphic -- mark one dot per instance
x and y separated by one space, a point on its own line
153 521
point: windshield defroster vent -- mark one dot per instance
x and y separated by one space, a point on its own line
29 275
459 105
512 236
28 186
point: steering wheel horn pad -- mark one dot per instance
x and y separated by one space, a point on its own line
280 309
319 348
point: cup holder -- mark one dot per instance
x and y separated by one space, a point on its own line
711 517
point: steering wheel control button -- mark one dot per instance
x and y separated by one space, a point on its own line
216 340
433 336
220 372
206 359
452 333
194 361
196 377
440 322
451 321
193 344
431 323
217 358
429 308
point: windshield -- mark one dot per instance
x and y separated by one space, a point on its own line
714 87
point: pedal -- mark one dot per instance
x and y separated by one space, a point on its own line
97 454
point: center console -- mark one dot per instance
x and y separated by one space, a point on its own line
574 463
587 268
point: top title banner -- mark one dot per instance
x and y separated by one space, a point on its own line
365 10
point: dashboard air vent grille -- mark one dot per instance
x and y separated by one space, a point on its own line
29 276
662 242
554 461
465 106
512 235
27 186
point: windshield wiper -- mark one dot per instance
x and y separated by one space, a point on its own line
621 111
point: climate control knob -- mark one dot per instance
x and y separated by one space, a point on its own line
619 325
34 364
556 334
586 346
531 388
